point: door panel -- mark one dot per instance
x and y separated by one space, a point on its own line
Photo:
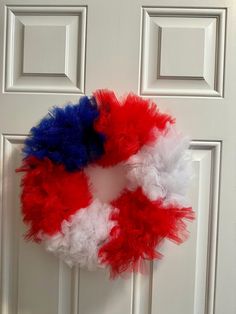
36 282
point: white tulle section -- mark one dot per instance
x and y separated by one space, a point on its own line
163 169
81 237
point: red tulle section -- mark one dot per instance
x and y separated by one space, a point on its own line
50 194
127 125
141 225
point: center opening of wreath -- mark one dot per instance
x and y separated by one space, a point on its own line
106 183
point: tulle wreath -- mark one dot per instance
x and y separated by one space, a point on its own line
105 182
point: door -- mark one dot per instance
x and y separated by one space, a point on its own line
182 54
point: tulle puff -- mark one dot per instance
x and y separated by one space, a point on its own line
50 195
82 235
127 124
67 136
140 225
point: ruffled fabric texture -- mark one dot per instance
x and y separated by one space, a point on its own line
82 235
140 225
67 136
105 182
162 168
50 195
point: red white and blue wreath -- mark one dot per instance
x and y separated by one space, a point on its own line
105 182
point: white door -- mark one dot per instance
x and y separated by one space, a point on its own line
182 53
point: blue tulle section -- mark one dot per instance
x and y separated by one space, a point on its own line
67 136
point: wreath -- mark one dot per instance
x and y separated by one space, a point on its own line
105 182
